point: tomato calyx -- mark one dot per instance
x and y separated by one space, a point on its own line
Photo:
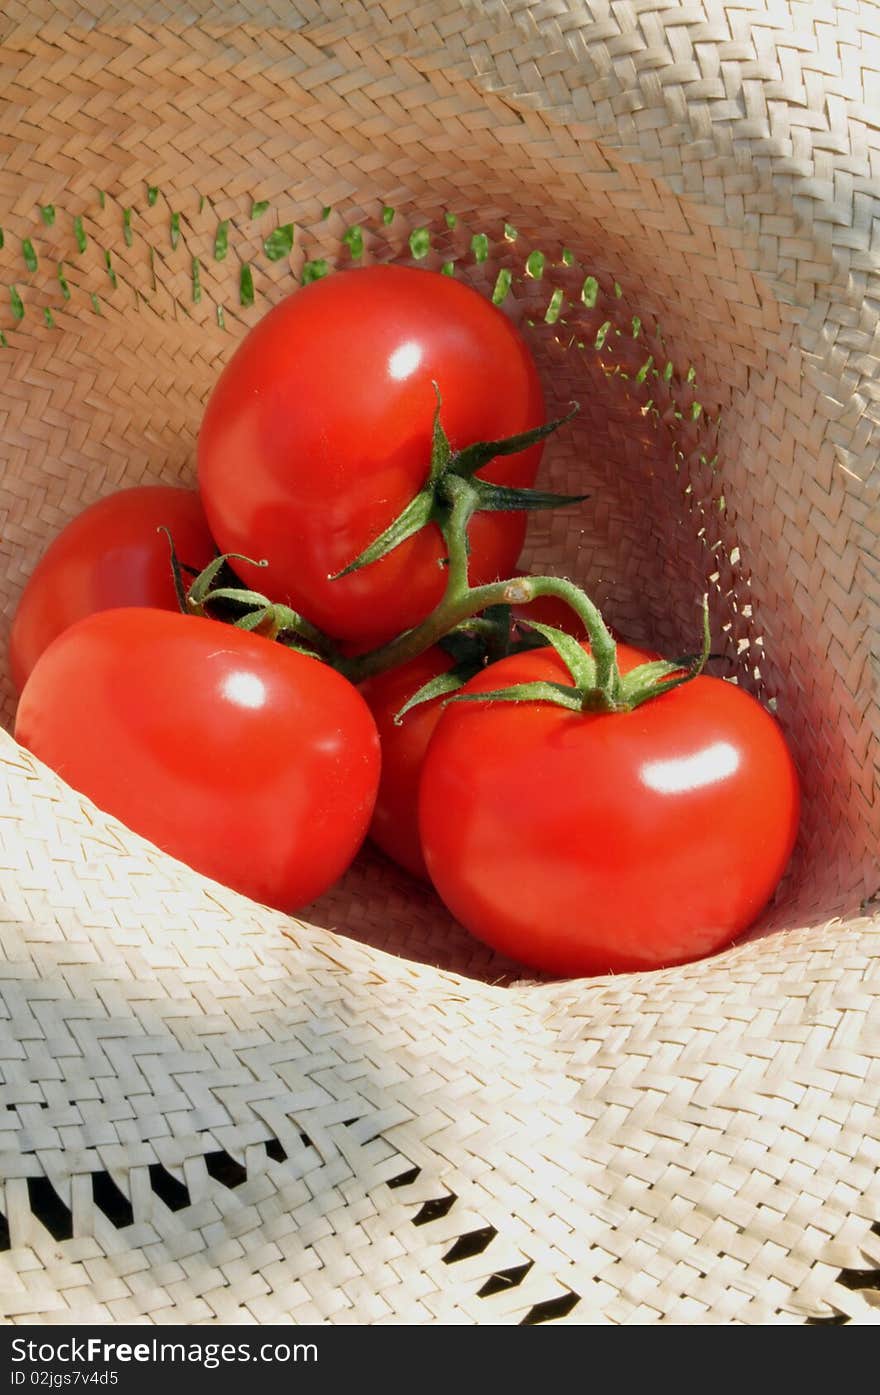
452 478
617 693
216 594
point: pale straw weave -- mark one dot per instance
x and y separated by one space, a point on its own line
214 1113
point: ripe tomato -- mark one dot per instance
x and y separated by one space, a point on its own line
109 555
395 826
318 434
252 763
590 844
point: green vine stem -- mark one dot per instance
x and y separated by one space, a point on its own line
598 687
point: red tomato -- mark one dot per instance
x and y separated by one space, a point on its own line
110 555
252 763
318 434
591 844
395 826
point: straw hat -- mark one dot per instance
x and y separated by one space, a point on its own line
215 1113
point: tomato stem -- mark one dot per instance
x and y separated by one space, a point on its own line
602 645
461 601
597 685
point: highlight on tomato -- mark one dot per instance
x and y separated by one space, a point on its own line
110 555
251 762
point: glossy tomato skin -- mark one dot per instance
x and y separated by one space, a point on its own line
592 844
318 434
395 825
255 765
110 555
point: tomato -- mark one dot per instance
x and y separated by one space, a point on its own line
252 763
318 434
395 826
590 844
109 555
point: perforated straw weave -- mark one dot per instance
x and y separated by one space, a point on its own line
215 1113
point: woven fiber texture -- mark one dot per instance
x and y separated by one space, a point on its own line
216 1113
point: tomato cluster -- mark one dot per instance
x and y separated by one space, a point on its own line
372 446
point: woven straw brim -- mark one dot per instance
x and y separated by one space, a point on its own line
216 1113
